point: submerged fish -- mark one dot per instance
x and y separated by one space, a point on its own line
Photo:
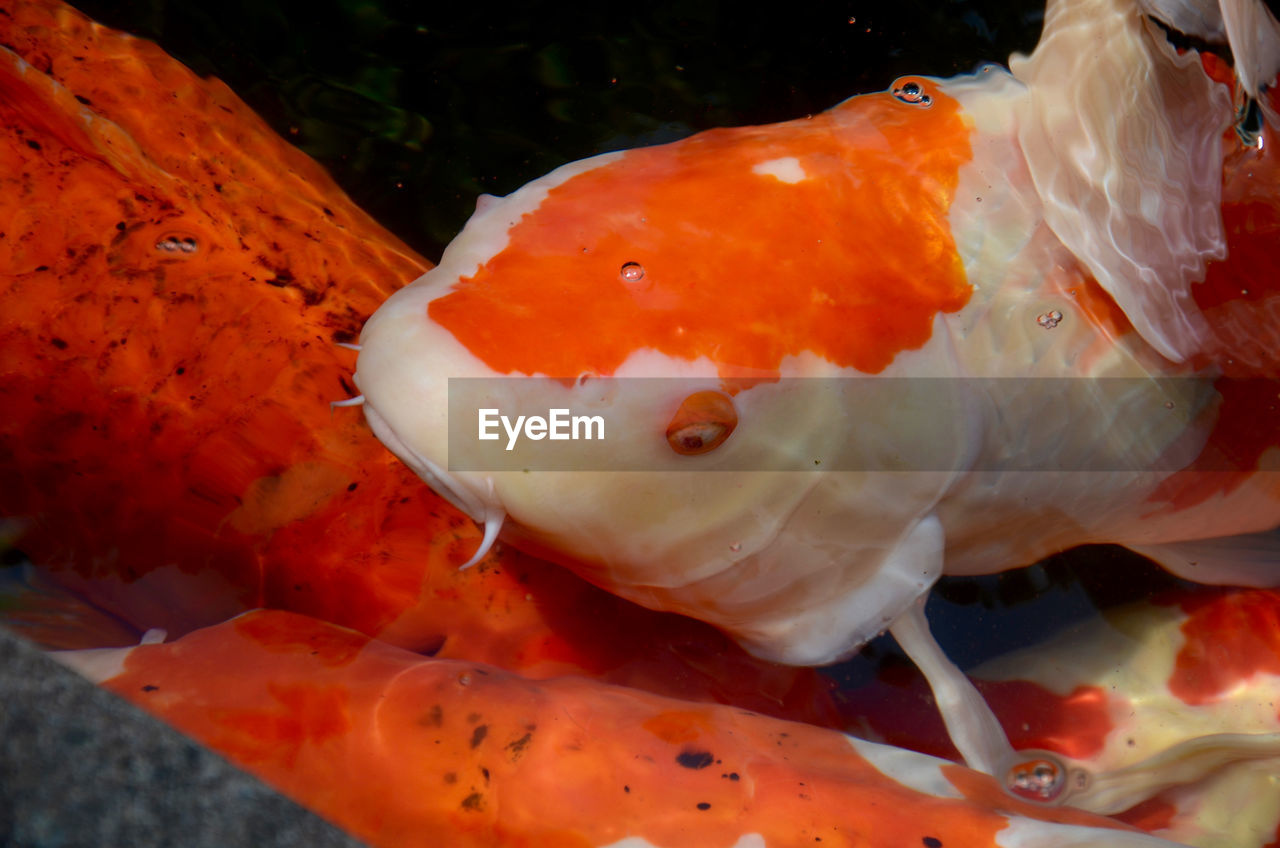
399 749
948 328
1168 706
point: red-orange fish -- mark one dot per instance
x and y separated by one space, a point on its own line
404 750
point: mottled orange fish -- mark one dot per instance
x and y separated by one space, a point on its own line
405 750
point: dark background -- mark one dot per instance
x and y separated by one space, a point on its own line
416 108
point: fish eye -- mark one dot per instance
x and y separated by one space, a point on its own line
1038 776
702 423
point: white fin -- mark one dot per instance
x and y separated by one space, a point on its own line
1254 36
973 728
1199 18
1122 136
1115 791
348 345
101 664
154 636
1249 560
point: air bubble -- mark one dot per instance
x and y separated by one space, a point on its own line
632 272
1049 319
1039 777
911 92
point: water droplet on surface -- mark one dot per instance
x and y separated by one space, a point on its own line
1168 404
464 679
911 92
735 547
632 272
1049 319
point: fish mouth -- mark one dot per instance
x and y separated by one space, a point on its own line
478 509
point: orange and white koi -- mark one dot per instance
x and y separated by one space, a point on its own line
396 748
1168 708
1004 281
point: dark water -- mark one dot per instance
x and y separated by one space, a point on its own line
417 108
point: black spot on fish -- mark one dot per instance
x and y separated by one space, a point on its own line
516 747
695 759
703 805
478 735
931 842
150 688
433 717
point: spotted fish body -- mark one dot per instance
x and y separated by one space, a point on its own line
998 288
396 747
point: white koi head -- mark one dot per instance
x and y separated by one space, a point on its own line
705 299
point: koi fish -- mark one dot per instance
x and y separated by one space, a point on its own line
394 746
1168 706
177 281
896 331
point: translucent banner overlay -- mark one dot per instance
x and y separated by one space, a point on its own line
864 424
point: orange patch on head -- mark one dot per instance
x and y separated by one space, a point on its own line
745 246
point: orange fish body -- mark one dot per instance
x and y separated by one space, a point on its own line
399 748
